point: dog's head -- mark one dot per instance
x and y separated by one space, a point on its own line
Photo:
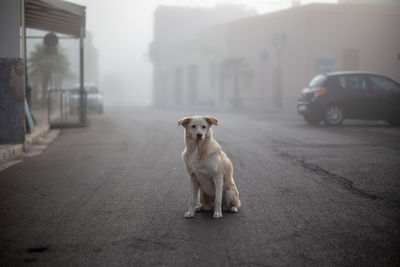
198 127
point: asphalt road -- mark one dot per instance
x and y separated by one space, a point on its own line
114 194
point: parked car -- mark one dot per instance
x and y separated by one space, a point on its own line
336 96
94 99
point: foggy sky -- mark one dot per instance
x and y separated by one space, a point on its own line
122 31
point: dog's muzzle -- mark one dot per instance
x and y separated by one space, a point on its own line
199 136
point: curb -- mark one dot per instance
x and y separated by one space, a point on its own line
33 138
10 152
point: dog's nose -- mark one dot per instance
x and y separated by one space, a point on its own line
199 136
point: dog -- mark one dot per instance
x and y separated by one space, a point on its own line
210 170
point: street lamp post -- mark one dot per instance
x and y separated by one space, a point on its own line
264 56
278 42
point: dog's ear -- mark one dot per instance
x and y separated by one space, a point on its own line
211 120
184 121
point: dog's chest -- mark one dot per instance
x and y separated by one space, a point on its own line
201 165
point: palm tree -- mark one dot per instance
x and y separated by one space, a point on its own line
48 65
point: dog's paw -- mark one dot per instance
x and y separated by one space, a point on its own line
217 215
189 214
233 209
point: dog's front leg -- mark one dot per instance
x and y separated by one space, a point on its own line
219 183
194 186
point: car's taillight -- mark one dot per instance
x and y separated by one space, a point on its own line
320 91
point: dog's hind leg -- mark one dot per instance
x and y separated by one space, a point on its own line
231 200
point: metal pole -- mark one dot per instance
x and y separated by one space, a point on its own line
236 83
48 108
279 86
82 108
278 41
27 93
62 107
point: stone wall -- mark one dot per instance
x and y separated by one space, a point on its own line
12 95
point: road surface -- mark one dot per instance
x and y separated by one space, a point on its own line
114 194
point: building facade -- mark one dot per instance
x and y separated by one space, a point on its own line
258 62
174 26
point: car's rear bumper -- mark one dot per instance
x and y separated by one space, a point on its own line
309 107
303 107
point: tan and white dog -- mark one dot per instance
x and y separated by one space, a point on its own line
209 168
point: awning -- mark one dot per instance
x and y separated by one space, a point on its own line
55 16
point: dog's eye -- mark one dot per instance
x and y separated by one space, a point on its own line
193 126
203 127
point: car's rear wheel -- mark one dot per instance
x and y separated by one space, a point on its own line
312 119
333 115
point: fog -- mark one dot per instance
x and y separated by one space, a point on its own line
122 31
264 58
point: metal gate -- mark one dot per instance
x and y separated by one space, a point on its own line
67 108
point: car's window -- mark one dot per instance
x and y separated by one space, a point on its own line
342 81
380 83
88 89
317 81
334 83
91 90
353 82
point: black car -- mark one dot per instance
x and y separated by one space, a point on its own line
336 96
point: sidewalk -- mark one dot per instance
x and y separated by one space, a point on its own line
14 151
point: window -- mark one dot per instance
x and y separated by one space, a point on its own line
91 90
380 83
317 81
178 85
334 82
192 83
353 82
342 82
